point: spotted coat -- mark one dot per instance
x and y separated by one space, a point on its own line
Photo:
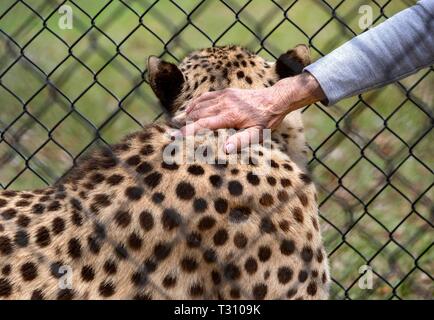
128 224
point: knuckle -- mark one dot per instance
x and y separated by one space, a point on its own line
202 122
193 114
206 95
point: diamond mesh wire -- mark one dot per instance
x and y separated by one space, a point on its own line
62 92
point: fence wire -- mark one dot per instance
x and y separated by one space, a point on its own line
63 92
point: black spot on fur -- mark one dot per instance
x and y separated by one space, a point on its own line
21 238
133 160
221 205
38 208
206 223
271 181
23 221
153 180
253 179
169 281
260 291
307 254
220 237
189 264
134 241
147 150
121 252
144 168
185 191
210 256
235 188
267 225
162 250
134 193
87 273
5 288
240 240
232 272
302 276
216 181
43 238
196 290
37 295
106 289
58 225
101 200
146 220
139 278
284 275
193 240
305 178
264 253
200 205
114 179
196 170
123 218
65 294
5 246
110 267
171 219
287 247
9 214
158 197
171 166
29 271
239 214
74 248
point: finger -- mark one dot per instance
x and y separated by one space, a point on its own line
243 139
202 98
209 109
211 123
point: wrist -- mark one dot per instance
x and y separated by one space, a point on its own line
296 92
310 90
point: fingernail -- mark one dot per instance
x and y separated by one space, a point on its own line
230 148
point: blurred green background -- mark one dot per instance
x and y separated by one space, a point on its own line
64 91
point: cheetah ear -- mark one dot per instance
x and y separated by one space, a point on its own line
293 62
166 81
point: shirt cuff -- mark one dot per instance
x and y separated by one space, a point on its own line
324 81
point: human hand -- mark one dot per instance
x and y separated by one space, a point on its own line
247 109
250 109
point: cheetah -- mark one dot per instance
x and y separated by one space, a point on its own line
126 223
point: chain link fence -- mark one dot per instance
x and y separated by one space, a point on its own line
64 91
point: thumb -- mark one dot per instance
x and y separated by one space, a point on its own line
243 139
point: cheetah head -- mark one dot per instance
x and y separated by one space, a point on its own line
216 69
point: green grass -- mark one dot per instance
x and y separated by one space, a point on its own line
55 128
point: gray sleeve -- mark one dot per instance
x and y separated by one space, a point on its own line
393 50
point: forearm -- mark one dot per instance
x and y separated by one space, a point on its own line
397 48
